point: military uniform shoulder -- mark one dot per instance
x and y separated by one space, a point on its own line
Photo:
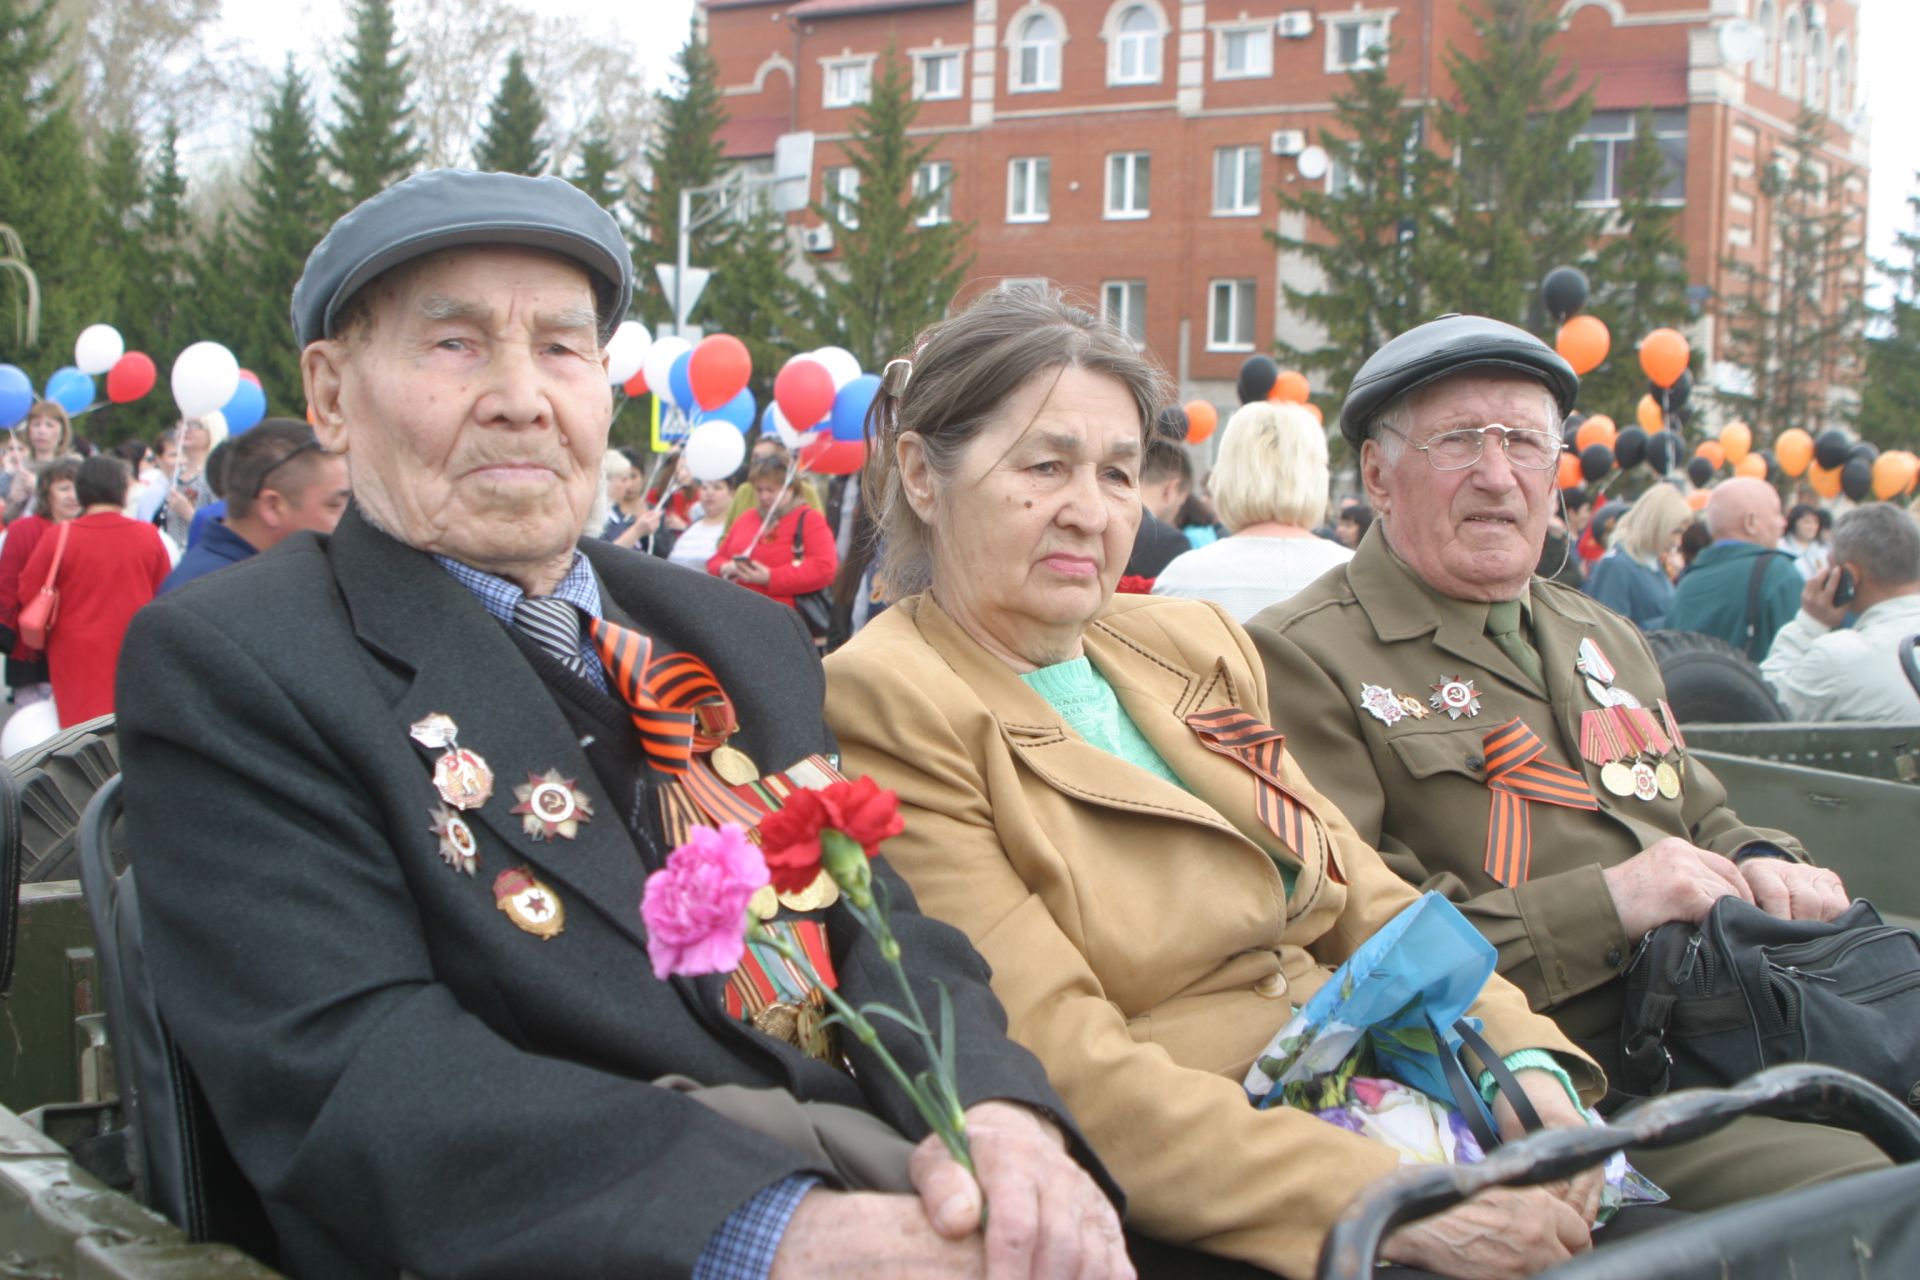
1323 600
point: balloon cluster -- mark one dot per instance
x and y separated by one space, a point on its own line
1583 341
820 404
205 380
1260 379
1835 462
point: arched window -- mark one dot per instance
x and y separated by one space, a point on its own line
1036 53
1763 64
1817 70
1842 95
1791 54
1137 40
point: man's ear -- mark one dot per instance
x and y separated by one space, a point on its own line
323 371
1373 466
270 509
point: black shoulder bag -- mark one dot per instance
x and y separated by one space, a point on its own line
816 607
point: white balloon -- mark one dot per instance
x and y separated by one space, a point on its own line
658 363
839 363
714 450
204 378
98 348
781 427
627 351
28 727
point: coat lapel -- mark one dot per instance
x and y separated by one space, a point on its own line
1402 607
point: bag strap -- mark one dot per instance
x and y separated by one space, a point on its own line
1908 663
59 549
1503 1077
1466 1099
800 539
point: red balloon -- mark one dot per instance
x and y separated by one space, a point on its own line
834 457
249 375
131 377
804 391
718 370
637 384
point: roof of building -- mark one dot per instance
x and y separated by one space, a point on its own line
840 8
743 137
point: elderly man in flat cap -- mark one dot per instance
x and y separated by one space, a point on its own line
391 815
1415 680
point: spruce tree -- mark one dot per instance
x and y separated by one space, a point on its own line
510 142
1639 276
120 258
372 146
596 170
685 152
894 275
752 291
1511 126
1793 319
284 220
1378 233
1890 395
160 296
220 304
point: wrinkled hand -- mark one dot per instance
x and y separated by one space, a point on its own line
1549 1097
1794 890
1501 1234
1816 598
1671 880
1048 1217
839 1235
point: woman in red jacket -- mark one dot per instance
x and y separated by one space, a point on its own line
796 554
53 501
111 566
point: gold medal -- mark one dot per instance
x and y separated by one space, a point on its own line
1667 778
823 892
529 904
1617 778
734 766
764 903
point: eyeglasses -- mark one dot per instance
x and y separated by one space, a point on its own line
1458 450
259 486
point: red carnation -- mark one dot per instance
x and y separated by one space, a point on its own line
790 836
864 812
1134 584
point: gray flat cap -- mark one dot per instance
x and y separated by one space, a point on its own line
445 208
1441 348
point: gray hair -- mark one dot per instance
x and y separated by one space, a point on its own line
964 370
1881 539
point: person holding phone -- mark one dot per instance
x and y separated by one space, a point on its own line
1824 669
780 546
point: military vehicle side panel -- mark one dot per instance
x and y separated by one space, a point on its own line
53 1047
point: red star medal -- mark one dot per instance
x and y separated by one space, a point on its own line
528 903
457 845
551 806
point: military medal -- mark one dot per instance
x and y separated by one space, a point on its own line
1667 779
457 846
1457 697
528 903
733 765
1381 703
463 779
1414 707
1617 778
764 903
1645 785
823 892
551 806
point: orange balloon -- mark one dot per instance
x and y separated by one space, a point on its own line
1793 450
1596 430
1663 356
1698 499
1319 415
1202 418
1584 342
1712 452
1825 483
1892 474
1290 387
1753 466
1736 438
1647 414
1570 477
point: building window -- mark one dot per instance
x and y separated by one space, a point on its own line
848 81
840 192
1355 40
1236 181
1790 55
1029 180
1127 184
1763 63
1817 70
1124 303
936 74
1243 52
1134 50
936 178
1230 318
1035 64
1608 138
1342 176
1842 79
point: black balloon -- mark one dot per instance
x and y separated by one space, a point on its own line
1865 451
1773 465
1663 451
1570 434
1831 448
1699 471
1257 374
1630 447
1680 392
1564 291
1172 424
1595 461
1856 479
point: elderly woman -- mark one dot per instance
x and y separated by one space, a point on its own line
1270 490
1633 578
1149 930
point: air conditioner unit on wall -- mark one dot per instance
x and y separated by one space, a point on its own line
817 239
1296 24
1289 142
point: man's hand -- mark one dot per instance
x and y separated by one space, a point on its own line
1046 1216
1501 1234
1671 880
1556 1110
1816 598
1794 890
843 1235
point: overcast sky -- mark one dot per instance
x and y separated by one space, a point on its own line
656 27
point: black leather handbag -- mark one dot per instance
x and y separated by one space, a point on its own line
815 607
1711 1004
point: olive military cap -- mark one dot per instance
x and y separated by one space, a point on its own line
1441 348
447 208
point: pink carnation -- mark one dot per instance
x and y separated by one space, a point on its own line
695 908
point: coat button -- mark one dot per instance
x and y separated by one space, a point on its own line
1614 957
1475 763
1273 986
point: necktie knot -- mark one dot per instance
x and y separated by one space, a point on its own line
553 624
1503 618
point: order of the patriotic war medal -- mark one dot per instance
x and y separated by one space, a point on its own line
551 806
458 848
1646 784
1456 696
531 905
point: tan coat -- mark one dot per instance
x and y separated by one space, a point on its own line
1417 788
1140 936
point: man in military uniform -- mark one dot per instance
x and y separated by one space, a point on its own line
1505 740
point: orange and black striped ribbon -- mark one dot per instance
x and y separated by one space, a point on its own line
677 704
1234 733
1518 778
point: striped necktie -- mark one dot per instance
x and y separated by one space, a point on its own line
553 624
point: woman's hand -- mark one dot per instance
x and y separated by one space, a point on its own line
180 504
1549 1098
751 571
1501 1234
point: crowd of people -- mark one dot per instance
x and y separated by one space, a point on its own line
1167 756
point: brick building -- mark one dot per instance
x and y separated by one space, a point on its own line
1130 149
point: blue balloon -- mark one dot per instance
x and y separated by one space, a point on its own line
248 406
849 417
71 389
16 395
739 411
680 386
